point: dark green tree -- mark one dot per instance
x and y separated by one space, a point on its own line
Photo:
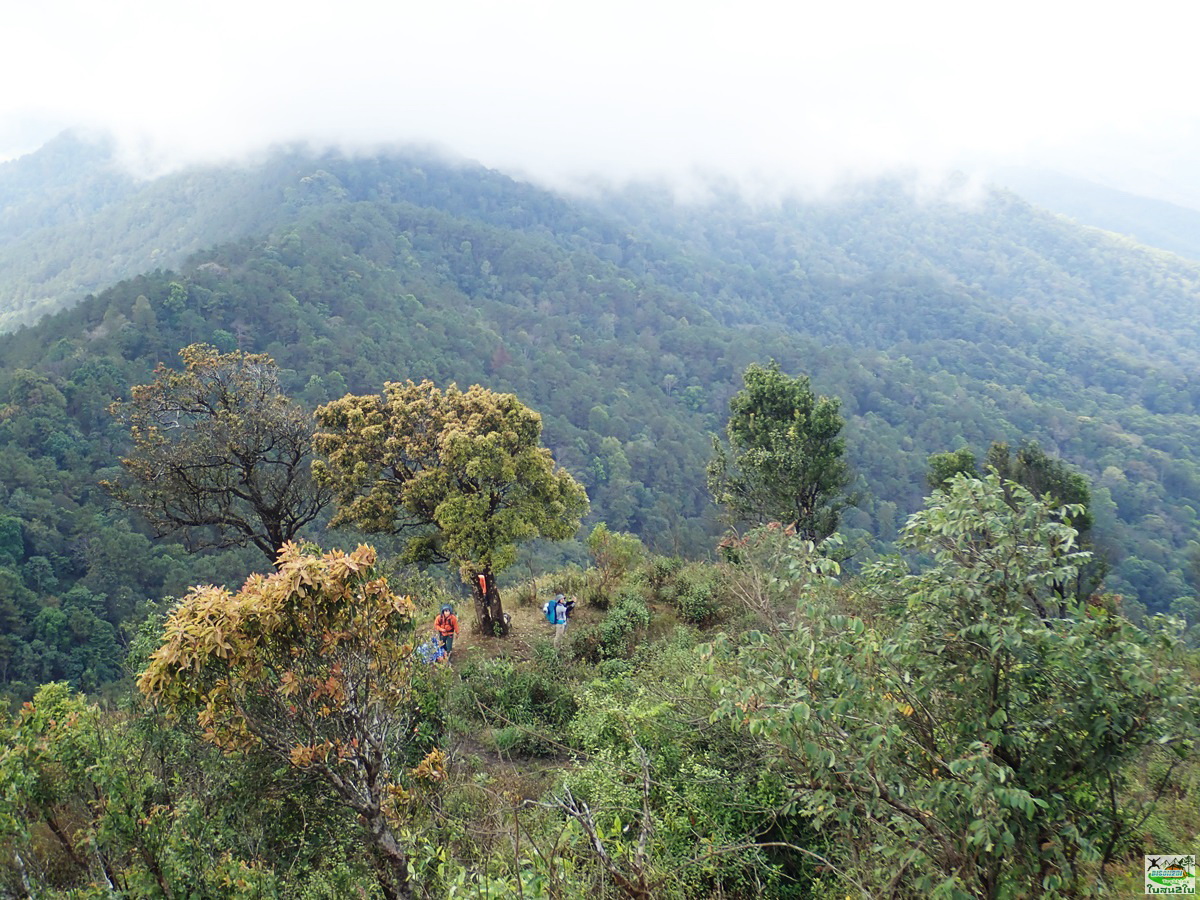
944 466
962 745
1044 476
1038 472
783 457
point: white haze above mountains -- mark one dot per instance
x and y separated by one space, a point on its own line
773 94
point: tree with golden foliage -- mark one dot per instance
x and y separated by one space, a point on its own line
314 665
220 454
462 472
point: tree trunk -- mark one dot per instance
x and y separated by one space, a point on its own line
391 859
25 885
488 609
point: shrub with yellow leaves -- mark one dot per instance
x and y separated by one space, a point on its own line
312 664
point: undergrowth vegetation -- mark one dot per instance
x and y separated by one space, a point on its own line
765 726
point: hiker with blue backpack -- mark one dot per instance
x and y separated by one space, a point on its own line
557 612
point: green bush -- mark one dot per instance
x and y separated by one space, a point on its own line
615 554
429 695
570 581
657 573
545 657
596 595
583 643
501 692
614 668
695 594
1030 718
706 789
522 740
620 627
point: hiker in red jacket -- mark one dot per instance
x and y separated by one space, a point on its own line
446 625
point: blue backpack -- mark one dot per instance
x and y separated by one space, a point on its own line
548 610
431 651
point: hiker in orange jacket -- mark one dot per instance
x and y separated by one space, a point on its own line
446 625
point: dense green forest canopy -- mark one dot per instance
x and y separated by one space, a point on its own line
626 322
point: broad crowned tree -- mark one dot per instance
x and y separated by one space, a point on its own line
461 473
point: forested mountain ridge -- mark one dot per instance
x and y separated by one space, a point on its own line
626 321
73 219
994 251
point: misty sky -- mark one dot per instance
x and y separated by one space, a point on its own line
800 91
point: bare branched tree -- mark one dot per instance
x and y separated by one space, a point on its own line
220 454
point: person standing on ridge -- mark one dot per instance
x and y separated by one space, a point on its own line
561 609
446 625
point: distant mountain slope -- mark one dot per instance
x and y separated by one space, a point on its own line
1155 223
73 221
1003 253
626 321
63 182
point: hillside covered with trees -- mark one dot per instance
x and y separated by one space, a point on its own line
626 324
841 694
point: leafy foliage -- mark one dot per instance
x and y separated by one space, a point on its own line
963 745
674 799
784 457
624 622
615 554
311 665
1043 475
522 704
95 803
